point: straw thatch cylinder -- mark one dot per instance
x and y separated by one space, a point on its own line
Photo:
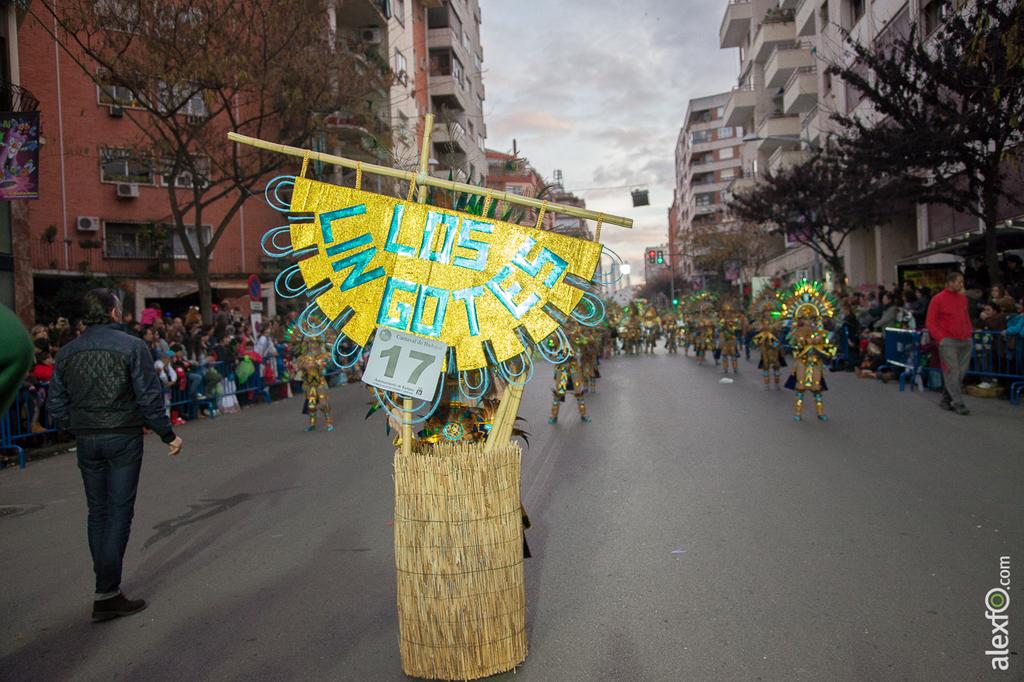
459 559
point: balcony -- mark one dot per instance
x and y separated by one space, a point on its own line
771 34
450 138
812 124
740 107
16 98
783 61
735 25
807 18
447 92
103 257
364 13
776 126
801 92
783 158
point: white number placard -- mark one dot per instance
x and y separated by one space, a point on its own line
405 363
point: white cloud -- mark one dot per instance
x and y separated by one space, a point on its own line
598 89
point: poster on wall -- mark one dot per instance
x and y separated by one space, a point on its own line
19 155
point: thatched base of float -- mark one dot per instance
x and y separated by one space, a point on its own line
459 559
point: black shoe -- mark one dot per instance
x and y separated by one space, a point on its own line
116 607
961 410
946 406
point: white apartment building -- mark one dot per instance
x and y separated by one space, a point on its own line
784 98
436 54
455 65
708 159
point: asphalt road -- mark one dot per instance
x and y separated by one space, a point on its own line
692 531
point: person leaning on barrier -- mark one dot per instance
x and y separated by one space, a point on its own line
949 326
104 389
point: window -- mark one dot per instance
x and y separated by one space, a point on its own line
480 141
727 174
114 94
399 12
466 42
129 240
401 66
480 103
823 13
190 231
855 10
934 14
719 112
182 98
479 61
727 153
121 165
403 127
854 95
440 63
514 189
705 198
724 132
184 178
701 136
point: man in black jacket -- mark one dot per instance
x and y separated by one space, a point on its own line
104 389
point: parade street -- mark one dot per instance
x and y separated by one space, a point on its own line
692 531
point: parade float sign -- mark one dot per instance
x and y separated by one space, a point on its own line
464 280
428 286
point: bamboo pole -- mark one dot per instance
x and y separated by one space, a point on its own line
428 129
423 178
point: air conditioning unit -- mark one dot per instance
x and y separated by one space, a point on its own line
116 111
88 224
371 35
127 190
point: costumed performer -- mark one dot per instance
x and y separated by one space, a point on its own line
808 306
313 364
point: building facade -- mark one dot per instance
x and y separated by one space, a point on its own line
708 159
785 98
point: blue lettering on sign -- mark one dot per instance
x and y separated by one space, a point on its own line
533 267
507 296
466 242
358 261
327 218
384 316
468 296
451 224
433 329
392 245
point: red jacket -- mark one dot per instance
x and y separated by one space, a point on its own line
947 316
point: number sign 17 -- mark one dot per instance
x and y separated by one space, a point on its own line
405 363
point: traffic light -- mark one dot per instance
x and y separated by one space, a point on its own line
661 257
651 257
675 301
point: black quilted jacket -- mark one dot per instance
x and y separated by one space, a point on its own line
104 382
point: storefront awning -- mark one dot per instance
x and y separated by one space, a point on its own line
969 244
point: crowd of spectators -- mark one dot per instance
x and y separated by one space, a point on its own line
867 314
199 363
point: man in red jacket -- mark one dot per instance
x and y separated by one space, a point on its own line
950 328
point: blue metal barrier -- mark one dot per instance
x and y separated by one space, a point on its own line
994 354
17 423
903 350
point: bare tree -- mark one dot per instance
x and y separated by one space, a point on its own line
195 70
946 112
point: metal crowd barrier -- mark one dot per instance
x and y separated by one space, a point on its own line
903 350
16 423
994 354
23 413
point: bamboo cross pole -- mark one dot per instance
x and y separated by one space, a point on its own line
423 178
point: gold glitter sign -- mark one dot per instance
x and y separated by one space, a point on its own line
459 278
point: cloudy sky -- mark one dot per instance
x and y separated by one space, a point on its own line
598 89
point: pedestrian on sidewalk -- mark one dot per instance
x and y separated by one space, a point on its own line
104 389
949 326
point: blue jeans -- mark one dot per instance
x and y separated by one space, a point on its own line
195 384
110 465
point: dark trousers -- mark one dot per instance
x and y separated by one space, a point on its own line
110 465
